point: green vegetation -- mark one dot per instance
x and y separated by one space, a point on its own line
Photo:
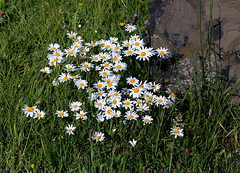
211 124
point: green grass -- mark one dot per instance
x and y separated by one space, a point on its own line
211 123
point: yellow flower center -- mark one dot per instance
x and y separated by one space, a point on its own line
109 111
115 115
57 54
76 46
81 84
83 50
102 44
129 52
85 66
52 63
61 113
92 44
147 120
100 94
45 71
161 52
115 94
177 131
70 53
53 48
72 36
104 57
130 116
95 58
115 58
118 66
110 84
104 73
136 90
143 53
75 106
132 80
147 102
172 94
137 44
76 39
107 46
98 137
139 102
106 65
127 44
55 59
116 47
70 130
70 68
127 103
39 115
160 100
114 101
130 27
74 77
108 80
150 97
154 87
80 115
65 77
99 85
167 104
99 104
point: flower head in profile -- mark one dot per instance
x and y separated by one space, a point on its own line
133 142
70 129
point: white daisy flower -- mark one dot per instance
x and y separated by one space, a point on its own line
108 112
130 28
127 104
167 104
81 115
116 113
100 85
115 102
135 37
113 39
30 111
46 70
155 87
84 50
129 52
99 136
162 52
71 35
53 47
147 119
107 65
104 56
136 92
137 43
171 95
143 108
176 131
75 106
105 73
70 129
132 81
116 48
144 53
131 115
70 67
95 58
81 83
100 104
127 43
85 66
160 100
39 114
92 44
78 39
64 77
62 114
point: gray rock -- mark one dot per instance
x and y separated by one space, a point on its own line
182 26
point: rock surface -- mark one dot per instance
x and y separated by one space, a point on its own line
181 26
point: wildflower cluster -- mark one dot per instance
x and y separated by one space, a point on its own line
112 96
